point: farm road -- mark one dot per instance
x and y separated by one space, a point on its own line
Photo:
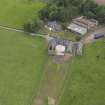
89 38
52 83
22 31
11 29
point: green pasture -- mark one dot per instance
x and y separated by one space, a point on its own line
85 84
15 13
22 59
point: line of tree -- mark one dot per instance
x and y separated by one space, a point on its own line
65 10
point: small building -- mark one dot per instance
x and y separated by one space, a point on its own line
82 25
58 46
60 50
77 29
77 48
54 26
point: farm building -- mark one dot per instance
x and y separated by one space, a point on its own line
58 46
82 25
54 26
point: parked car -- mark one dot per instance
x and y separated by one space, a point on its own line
99 35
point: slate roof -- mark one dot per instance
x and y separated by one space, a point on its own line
74 48
54 26
60 41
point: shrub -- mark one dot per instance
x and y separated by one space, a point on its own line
33 26
77 38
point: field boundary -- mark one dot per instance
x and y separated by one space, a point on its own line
22 31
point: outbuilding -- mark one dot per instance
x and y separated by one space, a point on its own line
54 26
81 25
59 46
77 29
60 50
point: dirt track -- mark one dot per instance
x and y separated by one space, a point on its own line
22 31
51 83
89 38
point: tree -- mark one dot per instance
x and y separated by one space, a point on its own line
100 14
33 26
88 8
65 10
77 38
60 10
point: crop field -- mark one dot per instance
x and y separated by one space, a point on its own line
16 12
86 84
21 67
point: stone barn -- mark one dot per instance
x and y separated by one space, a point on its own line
54 26
81 25
58 46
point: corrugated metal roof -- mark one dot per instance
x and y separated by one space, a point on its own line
70 46
77 28
54 26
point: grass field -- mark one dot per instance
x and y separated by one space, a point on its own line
21 66
22 58
86 84
16 12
